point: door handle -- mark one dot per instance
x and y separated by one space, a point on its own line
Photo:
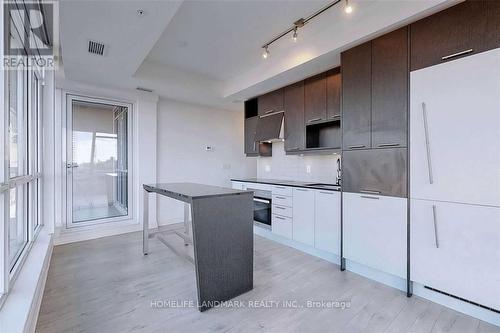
427 143
71 165
434 219
357 147
457 54
370 191
313 120
388 145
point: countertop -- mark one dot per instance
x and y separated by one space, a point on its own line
189 191
293 183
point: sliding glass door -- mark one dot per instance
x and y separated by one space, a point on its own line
98 156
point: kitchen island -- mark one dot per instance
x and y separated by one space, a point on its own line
222 237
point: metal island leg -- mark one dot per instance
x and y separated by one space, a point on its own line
145 224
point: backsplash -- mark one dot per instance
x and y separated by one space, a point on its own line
317 168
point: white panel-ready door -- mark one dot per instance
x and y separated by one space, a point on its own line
456 248
375 231
455 131
327 221
303 215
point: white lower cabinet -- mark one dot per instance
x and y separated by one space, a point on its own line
375 231
455 248
327 221
238 185
303 215
282 226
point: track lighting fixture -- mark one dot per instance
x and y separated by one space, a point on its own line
265 53
301 22
348 7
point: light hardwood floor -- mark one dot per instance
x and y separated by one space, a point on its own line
107 285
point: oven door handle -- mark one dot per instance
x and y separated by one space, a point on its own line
267 201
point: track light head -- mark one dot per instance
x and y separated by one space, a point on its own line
348 7
265 52
294 38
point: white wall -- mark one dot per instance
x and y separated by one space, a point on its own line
294 167
184 130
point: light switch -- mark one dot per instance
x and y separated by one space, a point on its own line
268 168
308 169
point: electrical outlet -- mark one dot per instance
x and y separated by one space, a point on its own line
308 169
268 168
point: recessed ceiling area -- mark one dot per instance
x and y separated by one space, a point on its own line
209 52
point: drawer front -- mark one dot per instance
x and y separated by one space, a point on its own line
282 226
282 210
375 171
454 248
282 200
282 190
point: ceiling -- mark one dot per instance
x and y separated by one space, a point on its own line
209 52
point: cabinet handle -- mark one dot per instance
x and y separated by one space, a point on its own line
335 116
301 189
457 54
434 219
280 187
427 144
330 193
357 147
313 120
293 148
283 198
279 218
388 145
370 191
367 197
254 145
269 111
279 207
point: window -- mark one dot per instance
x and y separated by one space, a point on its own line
20 167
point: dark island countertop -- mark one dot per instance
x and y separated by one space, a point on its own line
293 183
190 191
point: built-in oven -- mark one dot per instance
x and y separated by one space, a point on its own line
262 202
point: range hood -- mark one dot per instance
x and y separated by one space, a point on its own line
270 127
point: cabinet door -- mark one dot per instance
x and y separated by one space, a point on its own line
333 89
459 158
315 98
356 96
251 147
376 171
327 221
303 215
390 89
294 117
270 102
454 248
375 231
467 28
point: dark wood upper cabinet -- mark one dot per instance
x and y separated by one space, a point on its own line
356 97
390 89
315 98
294 117
270 102
464 29
251 147
333 88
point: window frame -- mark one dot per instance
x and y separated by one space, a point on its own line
30 178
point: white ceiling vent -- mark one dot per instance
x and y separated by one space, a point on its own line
96 47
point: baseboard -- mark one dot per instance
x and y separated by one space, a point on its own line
37 300
75 235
